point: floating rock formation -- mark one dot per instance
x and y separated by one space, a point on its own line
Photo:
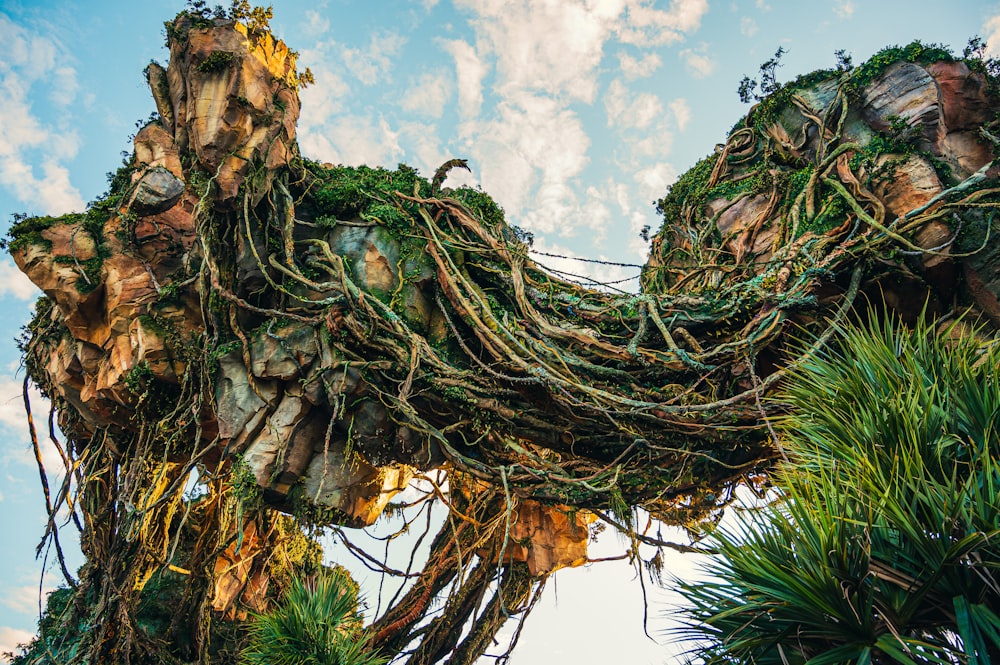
310 338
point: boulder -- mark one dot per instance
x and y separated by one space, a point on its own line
156 191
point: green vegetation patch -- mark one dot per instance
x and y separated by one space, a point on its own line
216 61
915 51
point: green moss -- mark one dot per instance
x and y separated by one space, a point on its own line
757 182
481 203
138 378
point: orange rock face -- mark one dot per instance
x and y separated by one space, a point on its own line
549 537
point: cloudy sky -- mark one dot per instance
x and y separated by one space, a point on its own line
574 114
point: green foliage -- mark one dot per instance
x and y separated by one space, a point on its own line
256 19
832 214
751 89
884 547
139 378
244 485
26 230
348 192
489 212
915 51
689 189
316 623
366 193
216 61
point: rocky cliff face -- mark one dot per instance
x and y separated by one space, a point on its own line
310 338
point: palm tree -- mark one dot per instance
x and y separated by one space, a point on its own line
317 623
885 545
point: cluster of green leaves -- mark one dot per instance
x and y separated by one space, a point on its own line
832 213
915 51
244 485
363 192
689 189
26 230
884 548
316 623
216 62
366 193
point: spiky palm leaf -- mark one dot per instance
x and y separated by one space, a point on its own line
885 547
317 623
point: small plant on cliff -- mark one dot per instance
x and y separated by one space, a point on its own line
752 89
316 623
216 61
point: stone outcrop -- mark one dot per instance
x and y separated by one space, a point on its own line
916 132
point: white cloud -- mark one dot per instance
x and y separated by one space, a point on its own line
748 26
655 179
699 63
648 26
634 68
23 599
355 139
323 100
316 23
30 64
991 28
470 71
682 112
10 638
547 55
556 46
428 96
763 6
625 111
543 46
14 282
373 64
844 8
533 143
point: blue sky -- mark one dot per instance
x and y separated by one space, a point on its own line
574 114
